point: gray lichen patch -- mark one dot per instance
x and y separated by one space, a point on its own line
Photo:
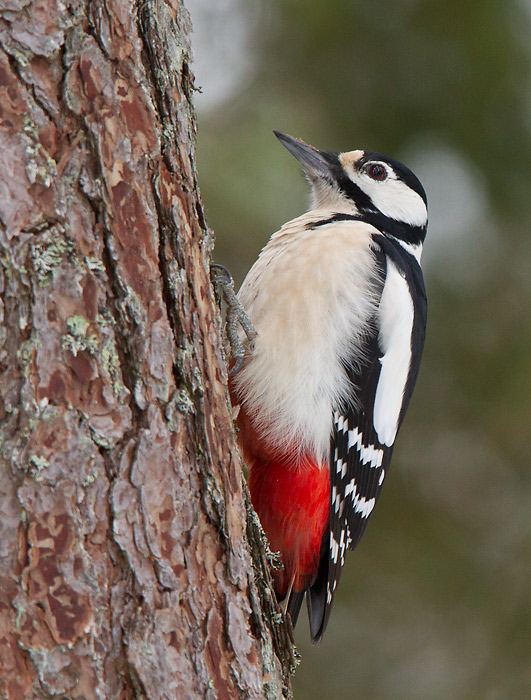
49 254
111 363
40 166
79 338
180 404
37 464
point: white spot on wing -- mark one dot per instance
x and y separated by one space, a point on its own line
334 548
343 546
369 454
350 488
341 424
336 500
362 505
396 325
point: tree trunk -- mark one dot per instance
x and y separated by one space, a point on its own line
125 564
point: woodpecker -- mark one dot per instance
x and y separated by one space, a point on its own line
338 303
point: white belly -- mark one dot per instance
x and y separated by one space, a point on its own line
309 296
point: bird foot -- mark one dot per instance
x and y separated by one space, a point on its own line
236 315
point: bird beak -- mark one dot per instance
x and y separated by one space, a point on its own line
312 160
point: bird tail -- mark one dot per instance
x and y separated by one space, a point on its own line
316 597
294 605
319 607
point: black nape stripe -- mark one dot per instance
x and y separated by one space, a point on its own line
399 229
414 235
333 219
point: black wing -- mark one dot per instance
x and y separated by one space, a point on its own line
358 459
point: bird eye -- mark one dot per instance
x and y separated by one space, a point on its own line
377 172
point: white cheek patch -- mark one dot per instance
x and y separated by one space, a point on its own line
396 325
393 198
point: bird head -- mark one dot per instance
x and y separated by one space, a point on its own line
378 189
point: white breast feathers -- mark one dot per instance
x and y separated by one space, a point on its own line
309 295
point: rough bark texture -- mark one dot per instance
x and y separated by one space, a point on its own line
125 568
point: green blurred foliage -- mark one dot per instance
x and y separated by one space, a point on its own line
436 601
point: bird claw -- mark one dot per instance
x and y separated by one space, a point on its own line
236 315
236 367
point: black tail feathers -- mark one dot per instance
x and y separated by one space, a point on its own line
316 599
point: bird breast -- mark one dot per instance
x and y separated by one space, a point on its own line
310 296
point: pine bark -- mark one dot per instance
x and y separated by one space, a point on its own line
130 563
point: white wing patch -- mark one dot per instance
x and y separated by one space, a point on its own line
396 325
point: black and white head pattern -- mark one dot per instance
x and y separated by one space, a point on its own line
382 190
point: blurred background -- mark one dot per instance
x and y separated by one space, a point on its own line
435 604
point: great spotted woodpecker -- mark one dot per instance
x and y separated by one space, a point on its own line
338 303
